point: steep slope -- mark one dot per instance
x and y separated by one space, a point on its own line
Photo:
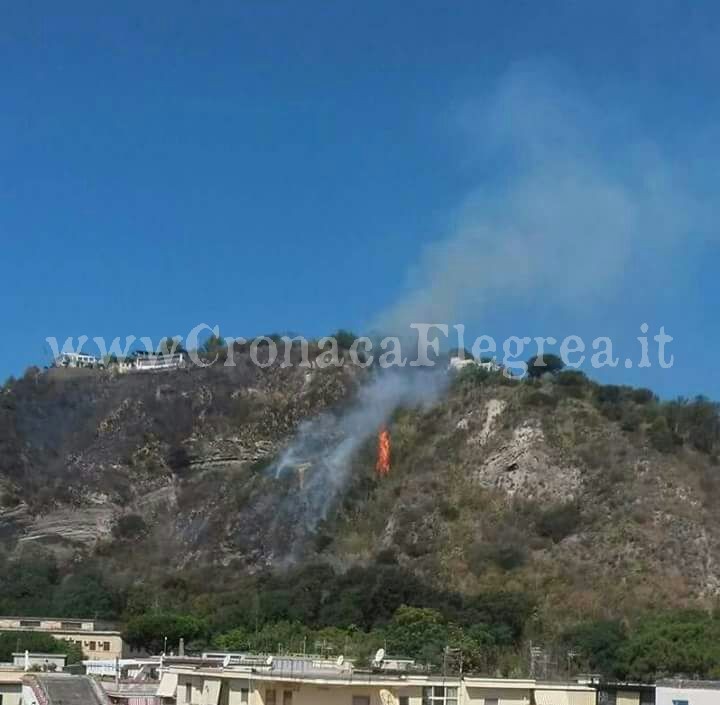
595 499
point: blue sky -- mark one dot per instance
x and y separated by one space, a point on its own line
274 166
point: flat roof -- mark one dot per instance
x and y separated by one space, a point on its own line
692 684
358 677
58 619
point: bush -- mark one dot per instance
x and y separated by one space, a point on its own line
472 375
661 437
559 522
11 642
507 553
344 338
571 378
149 631
598 643
129 526
679 643
630 420
538 365
643 396
179 460
540 398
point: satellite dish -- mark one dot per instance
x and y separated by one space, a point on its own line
379 655
340 660
226 661
269 661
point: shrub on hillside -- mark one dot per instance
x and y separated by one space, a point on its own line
129 526
541 399
559 522
598 644
508 552
661 437
643 396
538 365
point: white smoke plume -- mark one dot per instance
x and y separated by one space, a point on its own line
565 219
574 209
325 445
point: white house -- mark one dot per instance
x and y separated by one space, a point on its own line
684 692
152 361
459 363
76 359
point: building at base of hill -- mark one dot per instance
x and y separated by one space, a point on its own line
98 640
307 681
687 692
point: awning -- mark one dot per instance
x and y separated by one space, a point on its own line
168 685
211 691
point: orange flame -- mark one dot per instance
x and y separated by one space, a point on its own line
382 467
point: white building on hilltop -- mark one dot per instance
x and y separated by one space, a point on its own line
144 360
76 359
459 363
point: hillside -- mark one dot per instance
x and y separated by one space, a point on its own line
597 501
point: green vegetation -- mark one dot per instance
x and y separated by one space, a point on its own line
130 526
558 522
14 642
214 348
465 543
154 630
31 585
652 646
548 363
344 338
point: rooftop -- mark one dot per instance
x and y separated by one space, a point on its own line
682 683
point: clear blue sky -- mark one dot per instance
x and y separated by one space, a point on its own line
280 165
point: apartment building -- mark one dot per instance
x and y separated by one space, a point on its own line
687 692
320 682
97 639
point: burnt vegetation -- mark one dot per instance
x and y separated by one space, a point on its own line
490 529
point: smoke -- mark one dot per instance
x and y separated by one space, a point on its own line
574 209
566 218
324 446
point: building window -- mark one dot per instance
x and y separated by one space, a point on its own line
29 622
106 645
361 700
440 695
270 697
244 695
679 702
607 697
92 646
188 692
71 625
287 697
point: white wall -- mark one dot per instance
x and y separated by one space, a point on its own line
694 696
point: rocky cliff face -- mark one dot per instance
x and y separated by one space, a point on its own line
499 485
